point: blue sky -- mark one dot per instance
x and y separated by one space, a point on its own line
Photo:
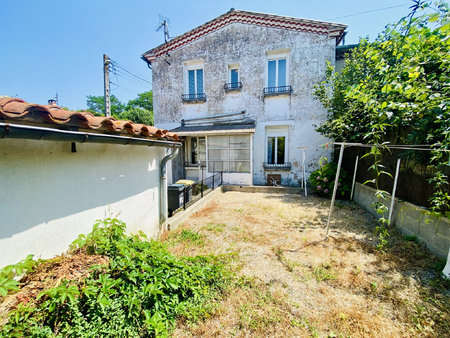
55 45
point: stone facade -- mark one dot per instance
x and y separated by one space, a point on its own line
248 47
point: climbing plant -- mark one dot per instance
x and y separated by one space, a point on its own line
396 89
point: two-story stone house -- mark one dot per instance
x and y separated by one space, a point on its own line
239 88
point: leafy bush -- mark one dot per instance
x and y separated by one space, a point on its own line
140 293
322 181
9 274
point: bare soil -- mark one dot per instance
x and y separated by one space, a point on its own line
294 283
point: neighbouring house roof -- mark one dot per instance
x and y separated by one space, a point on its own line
18 111
330 29
215 129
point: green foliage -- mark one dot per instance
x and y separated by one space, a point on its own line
409 238
322 181
191 237
137 115
143 101
10 273
198 188
96 104
140 293
138 110
396 90
324 272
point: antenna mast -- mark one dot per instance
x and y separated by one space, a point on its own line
164 23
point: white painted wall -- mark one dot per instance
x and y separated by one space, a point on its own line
51 195
249 46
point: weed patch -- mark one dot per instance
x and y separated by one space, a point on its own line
140 292
215 227
324 272
190 237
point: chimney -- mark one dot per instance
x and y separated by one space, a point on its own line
52 102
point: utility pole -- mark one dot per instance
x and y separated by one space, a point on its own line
106 63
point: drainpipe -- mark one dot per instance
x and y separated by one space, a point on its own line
163 187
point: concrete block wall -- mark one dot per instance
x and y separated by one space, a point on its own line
412 220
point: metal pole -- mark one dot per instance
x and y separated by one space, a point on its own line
201 185
354 177
106 63
213 178
304 174
391 208
336 181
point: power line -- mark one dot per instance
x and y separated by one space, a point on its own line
369 11
129 78
132 74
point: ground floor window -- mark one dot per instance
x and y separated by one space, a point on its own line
229 153
196 151
276 149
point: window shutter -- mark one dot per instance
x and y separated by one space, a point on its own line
272 74
234 76
199 81
191 82
281 72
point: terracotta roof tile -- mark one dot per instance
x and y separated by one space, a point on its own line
14 109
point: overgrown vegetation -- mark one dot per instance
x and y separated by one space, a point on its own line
322 181
10 273
396 89
141 292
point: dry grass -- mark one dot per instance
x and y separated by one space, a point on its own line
292 283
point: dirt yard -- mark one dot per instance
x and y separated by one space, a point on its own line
292 283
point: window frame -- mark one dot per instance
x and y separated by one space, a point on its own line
194 65
276 56
229 149
188 154
231 86
276 134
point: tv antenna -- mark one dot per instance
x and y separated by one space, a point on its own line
164 23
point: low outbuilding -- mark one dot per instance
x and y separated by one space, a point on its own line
61 170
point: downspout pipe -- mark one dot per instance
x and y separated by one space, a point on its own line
163 211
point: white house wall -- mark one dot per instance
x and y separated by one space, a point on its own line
51 195
247 46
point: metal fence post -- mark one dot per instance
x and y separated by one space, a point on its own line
201 186
184 198
214 177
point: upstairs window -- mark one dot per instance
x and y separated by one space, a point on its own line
194 82
277 80
277 73
234 74
233 83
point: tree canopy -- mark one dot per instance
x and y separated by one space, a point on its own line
138 110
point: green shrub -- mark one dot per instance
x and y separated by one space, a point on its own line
140 293
10 273
322 181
